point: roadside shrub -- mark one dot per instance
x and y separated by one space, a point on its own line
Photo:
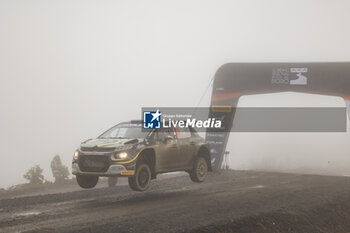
34 175
59 171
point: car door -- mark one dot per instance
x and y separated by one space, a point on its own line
186 148
167 150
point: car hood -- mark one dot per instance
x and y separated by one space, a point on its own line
108 143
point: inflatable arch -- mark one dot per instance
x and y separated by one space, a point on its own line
234 80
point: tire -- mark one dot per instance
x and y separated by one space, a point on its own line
112 181
87 182
200 170
142 178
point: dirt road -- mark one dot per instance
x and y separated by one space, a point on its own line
231 201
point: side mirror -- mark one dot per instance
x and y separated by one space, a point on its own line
167 139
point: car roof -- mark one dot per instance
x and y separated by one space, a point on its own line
130 122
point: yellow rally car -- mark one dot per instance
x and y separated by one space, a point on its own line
126 150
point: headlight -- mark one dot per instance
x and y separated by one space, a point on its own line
120 155
76 155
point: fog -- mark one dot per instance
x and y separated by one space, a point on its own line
310 153
71 69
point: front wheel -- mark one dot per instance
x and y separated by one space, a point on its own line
200 170
142 178
87 182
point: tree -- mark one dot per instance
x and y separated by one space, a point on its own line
34 175
59 171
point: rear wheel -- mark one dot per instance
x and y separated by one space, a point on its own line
112 181
142 178
200 170
87 182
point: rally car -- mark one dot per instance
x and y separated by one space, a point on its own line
126 150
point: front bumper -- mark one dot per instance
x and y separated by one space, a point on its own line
113 170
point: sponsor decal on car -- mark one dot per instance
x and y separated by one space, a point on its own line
127 173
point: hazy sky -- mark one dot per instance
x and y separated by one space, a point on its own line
71 69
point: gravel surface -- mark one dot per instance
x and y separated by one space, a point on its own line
229 201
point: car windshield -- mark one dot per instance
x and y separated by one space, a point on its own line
125 131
